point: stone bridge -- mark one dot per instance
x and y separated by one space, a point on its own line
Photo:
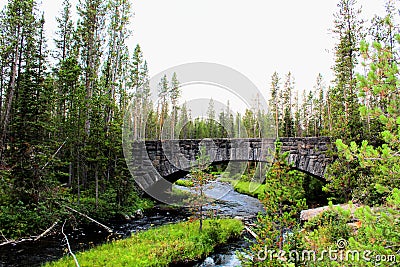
151 161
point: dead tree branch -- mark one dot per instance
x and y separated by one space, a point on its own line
69 247
250 231
52 157
90 219
46 232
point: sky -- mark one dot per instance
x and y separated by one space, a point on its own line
254 37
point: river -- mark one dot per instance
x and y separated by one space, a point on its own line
228 204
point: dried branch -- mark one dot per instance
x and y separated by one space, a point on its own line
46 232
250 231
91 219
69 247
32 238
14 242
52 157
3 236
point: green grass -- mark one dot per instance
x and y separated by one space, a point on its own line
228 180
248 188
186 183
161 246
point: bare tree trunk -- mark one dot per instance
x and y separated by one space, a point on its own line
70 175
78 179
201 209
1 90
10 95
96 176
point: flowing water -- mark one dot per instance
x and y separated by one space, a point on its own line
228 204
233 204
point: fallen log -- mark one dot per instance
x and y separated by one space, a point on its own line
32 238
90 219
46 232
16 241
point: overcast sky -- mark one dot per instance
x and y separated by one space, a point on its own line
255 37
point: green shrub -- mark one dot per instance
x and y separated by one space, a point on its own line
377 233
333 222
19 220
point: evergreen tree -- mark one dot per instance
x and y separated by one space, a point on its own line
319 104
183 122
25 122
375 168
138 79
287 127
383 30
65 31
248 122
212 127
297 116
344 105
91 33
174 94
283 200
274 101
163 92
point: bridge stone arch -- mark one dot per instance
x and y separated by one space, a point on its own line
171 159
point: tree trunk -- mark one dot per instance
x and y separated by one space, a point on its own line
96 175
10 95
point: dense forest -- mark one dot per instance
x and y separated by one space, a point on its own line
62 111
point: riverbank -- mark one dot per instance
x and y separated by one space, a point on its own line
253 189
85 236
52 247
161 246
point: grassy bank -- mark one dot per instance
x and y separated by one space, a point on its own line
248 188
173 243
21 220
184 182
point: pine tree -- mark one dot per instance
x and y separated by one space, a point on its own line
283 200
297 116
163 91
183 121
344 105
319 103
367 172
306 107
174 95
136 84
64 32
274 101
90 31
200 178
212 127
248 122
383 30
287 127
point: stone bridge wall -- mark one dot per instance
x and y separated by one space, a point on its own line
171 159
